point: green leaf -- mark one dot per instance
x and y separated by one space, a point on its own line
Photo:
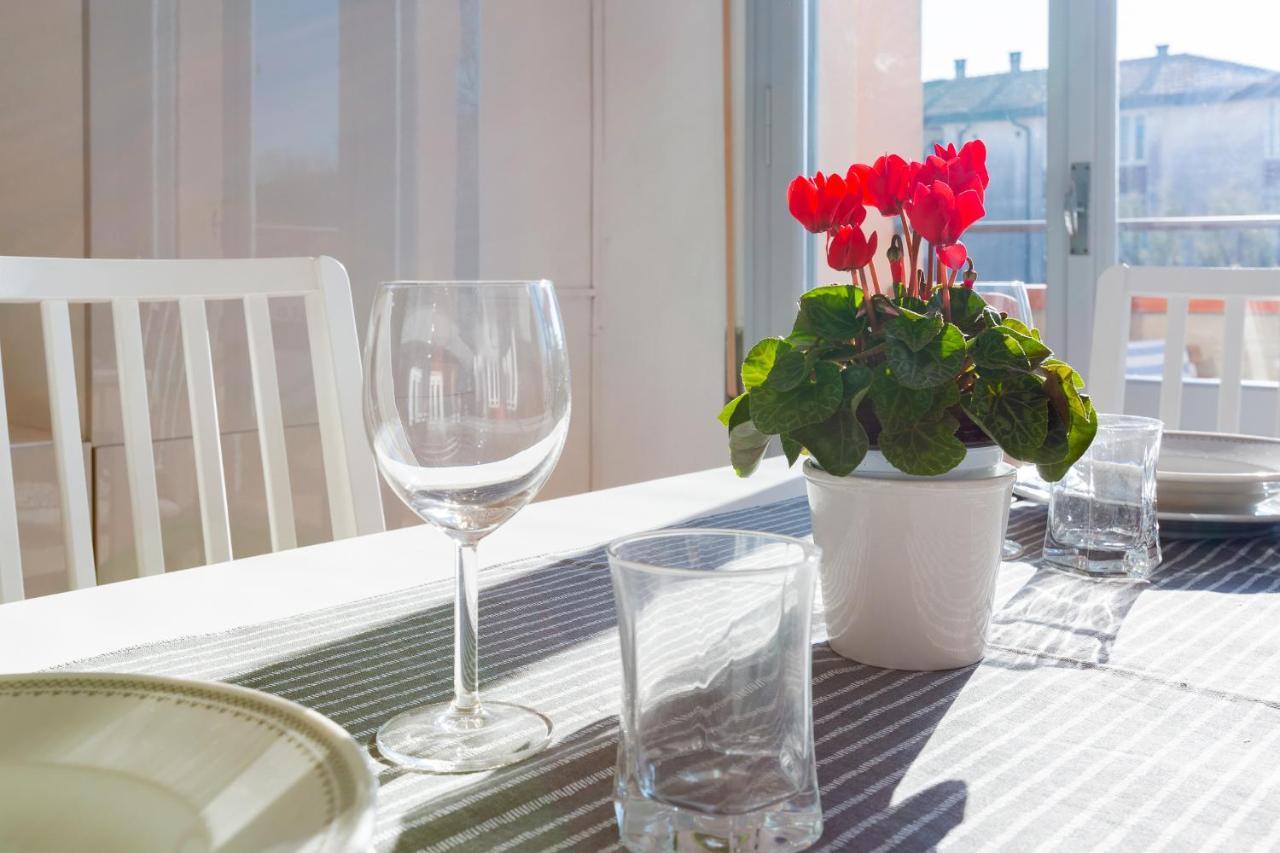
831 312
897 406
1031 345
1013 409
1080 433
790 368
924 447
913 303
857 382
747 446
1063 371
760 360
939 361
914 330
735 411
1021 327
792 448
968 309
828 352
1055 445
810 402
998 349
838 444
1063 385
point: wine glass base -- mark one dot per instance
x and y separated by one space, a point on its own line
441 738
1011 550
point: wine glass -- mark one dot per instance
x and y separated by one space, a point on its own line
466 403
1009 298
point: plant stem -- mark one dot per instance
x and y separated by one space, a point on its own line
868 352
909 241
466 629
946 304
860 276
875 279
951 277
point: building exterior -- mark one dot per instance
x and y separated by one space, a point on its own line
1197 137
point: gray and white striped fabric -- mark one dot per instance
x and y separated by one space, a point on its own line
1105 716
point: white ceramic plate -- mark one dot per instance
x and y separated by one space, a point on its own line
1216 473
111 762
1257 517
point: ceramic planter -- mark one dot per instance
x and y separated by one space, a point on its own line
909 564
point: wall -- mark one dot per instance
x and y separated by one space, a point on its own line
42 184
42 191
660 240
576 140
868 99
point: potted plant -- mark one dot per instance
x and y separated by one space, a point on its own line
904 392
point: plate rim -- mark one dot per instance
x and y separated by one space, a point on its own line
1038 497
1226 478
358 825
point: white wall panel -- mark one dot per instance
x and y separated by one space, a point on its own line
535 179
659 245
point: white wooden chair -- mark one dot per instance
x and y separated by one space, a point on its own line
354 498
1178 285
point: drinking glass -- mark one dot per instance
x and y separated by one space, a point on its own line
1011 299
1102 514
716 747
466 403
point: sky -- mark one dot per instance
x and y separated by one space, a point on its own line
983 32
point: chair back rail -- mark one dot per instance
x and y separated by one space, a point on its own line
1178 285
352 482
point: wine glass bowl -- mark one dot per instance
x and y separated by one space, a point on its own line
467 408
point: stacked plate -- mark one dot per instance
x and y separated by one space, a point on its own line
107 762
1206 483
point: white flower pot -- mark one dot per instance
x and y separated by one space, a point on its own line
909 564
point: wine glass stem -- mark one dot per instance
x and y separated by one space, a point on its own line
466 630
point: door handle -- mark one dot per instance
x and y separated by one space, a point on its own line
1075 212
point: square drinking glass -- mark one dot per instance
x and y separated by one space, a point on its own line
1102 514
716 748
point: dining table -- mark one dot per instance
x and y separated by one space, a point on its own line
1105 716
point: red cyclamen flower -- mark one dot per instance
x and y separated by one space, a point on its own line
886 183
822 202
967 168
850 248
940 216
962 170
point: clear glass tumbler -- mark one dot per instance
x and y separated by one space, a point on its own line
1102 514
716 747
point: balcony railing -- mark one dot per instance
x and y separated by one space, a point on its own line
1141 223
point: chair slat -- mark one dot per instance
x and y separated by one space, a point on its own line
64 410
1175 341
1232 365
1106 369
355 496
215 521
10 552
135 415
337 480
266 399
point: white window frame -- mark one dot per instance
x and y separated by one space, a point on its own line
1081 128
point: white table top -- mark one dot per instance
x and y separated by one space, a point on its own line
56 629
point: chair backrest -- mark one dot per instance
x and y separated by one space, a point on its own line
1178 286
355 504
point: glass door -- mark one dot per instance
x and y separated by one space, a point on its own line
902 77
1197 181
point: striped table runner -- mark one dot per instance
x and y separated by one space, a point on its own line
1105 716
